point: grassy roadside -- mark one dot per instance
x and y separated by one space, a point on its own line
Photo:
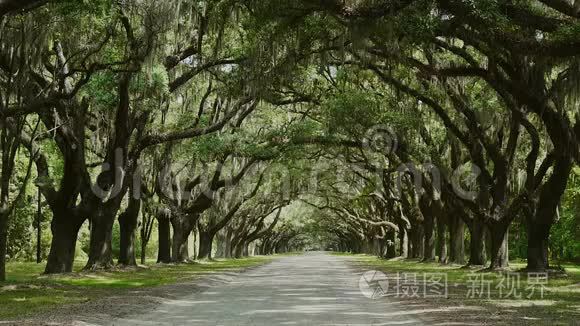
559 304
28 292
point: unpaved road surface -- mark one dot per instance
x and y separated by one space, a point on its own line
312 289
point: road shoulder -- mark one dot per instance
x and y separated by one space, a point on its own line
111 303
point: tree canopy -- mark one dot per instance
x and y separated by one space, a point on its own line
444 130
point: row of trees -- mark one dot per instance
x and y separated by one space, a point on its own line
482 87
410 125
122 110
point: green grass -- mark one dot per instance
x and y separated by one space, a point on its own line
154 275
26 291
455 273
561 300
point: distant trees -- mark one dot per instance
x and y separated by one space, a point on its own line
104 84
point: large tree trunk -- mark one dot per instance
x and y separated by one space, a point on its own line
179 245
538 247
205 245
266 247
427 208
102 217
429 238
65 229
441 240
239 250
477 255
403 242
128 222
417 242
228 244
220 239
143 252
100 248
540 223
164 231
195 252
260 248
457 240
499 247
3 245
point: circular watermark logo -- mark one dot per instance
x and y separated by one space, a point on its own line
373 284
381 139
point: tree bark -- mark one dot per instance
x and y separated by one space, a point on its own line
164 231
205 245
220 239
417 244
3 245
179 244
403 243
538 247
39 227
391 252
429 238
143 251
457 240
441 240
427 208
65 231
145 233
239 250
540 223
100 248
228 244
195 252
499 247
477 255
128 222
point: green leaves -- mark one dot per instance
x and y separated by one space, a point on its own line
354 111
152 83
102 90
